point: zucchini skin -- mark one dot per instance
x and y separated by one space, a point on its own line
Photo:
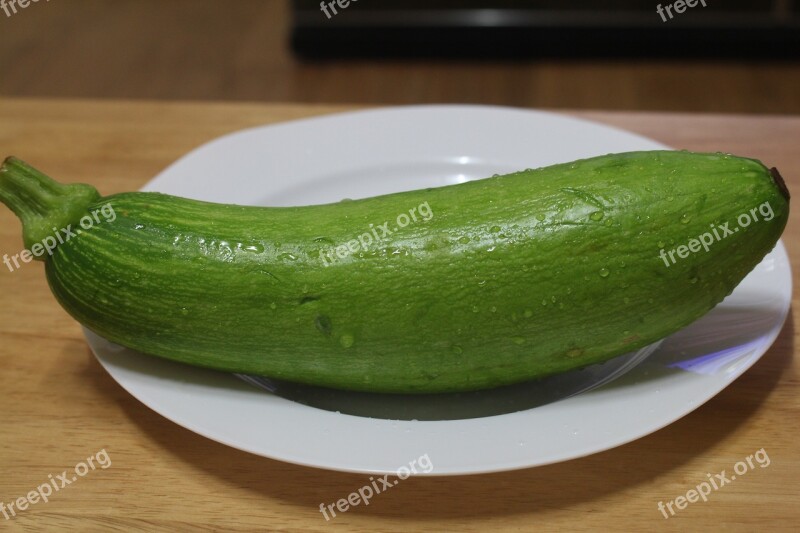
512 277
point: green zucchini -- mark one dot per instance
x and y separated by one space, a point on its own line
466 287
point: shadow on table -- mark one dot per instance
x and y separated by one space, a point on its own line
545 488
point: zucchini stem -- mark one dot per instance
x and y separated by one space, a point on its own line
43 205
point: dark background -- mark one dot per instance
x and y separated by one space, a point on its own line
240 50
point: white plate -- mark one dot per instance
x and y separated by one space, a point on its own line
373 152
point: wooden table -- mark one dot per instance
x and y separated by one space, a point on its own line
59 407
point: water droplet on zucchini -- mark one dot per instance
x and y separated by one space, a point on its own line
347 340
255 248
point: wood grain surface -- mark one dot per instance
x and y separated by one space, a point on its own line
59 407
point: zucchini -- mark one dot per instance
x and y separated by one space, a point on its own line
467 287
